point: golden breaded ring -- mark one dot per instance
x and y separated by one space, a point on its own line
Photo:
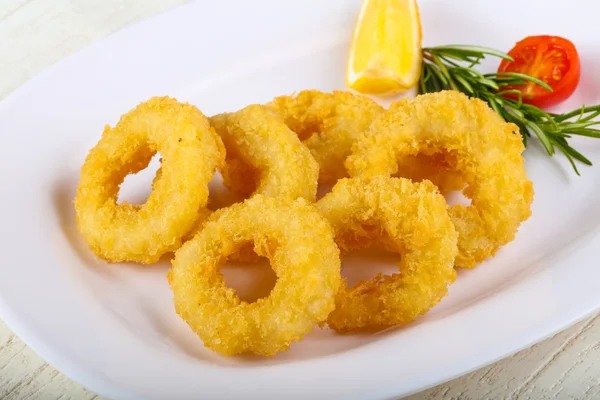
191 152
328 124
298 242
280 166
409 218
484 148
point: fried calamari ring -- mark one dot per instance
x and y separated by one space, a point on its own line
484 148
328 124
191 152
275 163
409 218
298 242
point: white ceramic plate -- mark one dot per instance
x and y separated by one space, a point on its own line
113 327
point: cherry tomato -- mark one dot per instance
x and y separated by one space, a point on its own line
552 59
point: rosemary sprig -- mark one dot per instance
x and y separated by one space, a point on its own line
451 67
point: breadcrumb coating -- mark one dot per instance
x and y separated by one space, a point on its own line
264 156
328 124
408 218
485 149
299 244
191 152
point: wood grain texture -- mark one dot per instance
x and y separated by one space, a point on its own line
37 33
565 363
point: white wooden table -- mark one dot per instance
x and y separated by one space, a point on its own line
37 33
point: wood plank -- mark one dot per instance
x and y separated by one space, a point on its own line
510 378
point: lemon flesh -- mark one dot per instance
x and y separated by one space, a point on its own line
385 54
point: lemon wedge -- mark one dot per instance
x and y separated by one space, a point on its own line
385 54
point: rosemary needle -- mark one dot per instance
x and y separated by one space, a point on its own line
451 67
